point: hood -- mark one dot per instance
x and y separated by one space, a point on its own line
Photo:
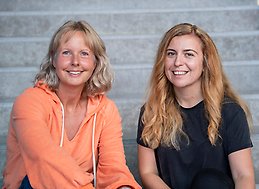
95 103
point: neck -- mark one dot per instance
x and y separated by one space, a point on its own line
188 98
70 99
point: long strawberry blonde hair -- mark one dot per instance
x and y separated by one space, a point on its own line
162 119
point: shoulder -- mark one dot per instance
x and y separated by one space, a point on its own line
28 95
108 101
107 105
233 114
32 94
231 108
31 99
108 112
104 102
235 129
228 102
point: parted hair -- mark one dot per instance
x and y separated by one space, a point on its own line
162 118
102 77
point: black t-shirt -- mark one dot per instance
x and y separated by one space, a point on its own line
177 168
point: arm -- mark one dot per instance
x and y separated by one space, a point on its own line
238 146
43 159
112 171
148 169
241 165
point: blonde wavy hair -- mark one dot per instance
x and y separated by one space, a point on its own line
162 119
102 77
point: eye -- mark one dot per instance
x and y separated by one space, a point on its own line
188 54
170 53
84 53
66 53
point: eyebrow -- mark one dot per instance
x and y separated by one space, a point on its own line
170 50
185 50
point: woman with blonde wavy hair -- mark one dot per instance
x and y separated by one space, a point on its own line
64 132
194 130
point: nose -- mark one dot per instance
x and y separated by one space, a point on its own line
75 60
178 60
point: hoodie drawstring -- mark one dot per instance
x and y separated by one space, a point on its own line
93 133
63 126
93 154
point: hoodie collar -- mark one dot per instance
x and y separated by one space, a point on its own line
95 103
45 87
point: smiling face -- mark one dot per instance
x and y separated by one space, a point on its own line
74 61
184 62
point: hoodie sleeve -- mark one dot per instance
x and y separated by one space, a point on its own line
112 171
46 164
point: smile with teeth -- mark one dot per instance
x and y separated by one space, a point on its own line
74 72
179 72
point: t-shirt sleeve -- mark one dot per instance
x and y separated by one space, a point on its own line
140 128
237 130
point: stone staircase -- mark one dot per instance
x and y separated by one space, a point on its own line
131 31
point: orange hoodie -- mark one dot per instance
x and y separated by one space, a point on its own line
37 145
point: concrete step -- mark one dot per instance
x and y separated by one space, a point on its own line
129 110
241 74
30 51
230 45
79 5
131 22
253 103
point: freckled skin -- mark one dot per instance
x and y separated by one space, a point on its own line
184 62
74 62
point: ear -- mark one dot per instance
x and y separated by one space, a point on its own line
53 62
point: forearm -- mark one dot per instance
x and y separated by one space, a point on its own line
152 181
41 156
242 169
244 182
